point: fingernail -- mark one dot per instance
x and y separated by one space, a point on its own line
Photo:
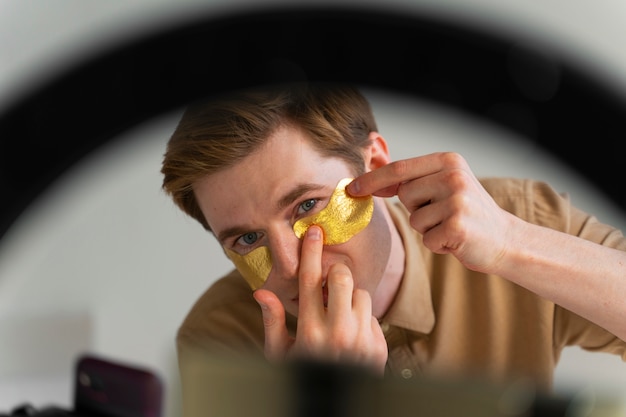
354 187
314 233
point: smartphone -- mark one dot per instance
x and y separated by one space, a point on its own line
107 388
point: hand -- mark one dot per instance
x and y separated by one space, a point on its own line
343 331
456 215
448 206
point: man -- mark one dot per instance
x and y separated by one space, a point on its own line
457 277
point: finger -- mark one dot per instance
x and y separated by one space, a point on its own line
380 351
311 300
362 304
362 308
384 181
340 287
426 217
277 339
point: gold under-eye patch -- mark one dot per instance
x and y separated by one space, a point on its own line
343 217
254 266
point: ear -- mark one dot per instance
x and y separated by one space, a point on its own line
377 153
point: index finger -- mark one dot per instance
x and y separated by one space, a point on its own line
384 181
310 298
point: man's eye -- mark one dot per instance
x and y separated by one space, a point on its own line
307 205
248 239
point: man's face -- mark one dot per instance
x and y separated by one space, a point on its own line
256 203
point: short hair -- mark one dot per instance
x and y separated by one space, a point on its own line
217 133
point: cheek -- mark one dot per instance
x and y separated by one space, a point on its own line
374 248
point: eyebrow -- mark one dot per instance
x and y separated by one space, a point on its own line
286 200
296 193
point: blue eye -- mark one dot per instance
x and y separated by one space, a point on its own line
249 238
307 205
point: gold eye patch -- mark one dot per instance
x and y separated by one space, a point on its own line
254 266
342 218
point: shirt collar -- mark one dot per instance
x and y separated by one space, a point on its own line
412 308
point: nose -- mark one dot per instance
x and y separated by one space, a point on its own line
284 247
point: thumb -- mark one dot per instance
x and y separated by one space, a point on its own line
277 339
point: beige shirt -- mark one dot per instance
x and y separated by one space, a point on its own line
446 319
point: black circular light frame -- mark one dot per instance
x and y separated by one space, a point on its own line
450 63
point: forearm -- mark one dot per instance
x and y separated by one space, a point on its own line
584 277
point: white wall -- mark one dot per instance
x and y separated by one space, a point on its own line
105 255
104 262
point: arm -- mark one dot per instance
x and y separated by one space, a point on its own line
582 276
456 215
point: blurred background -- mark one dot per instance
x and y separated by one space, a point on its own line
101 261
